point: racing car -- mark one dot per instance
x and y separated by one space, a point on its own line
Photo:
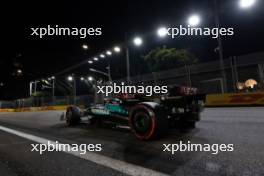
147 117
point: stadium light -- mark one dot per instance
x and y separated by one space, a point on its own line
74 89
90 62
246 3
109 53
85 46
95 59
90 78
194 20
117 49
138 41
19 71
162 32
102 55
70 78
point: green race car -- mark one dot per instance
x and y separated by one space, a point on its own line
147 117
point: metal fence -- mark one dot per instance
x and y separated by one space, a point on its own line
205 76
47 101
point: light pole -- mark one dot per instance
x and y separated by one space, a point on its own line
102 73
137 42
220 47
35 88
53 88
193 21
109 72
74 89
127 64
30 88
243 4
109 53
72 79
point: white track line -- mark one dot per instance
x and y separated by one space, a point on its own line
118 165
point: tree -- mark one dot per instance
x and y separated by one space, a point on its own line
168 58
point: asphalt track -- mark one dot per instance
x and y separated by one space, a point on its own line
123 154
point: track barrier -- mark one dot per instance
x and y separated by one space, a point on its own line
212 100
235 99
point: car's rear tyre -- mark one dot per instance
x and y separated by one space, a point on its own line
147 122
73 115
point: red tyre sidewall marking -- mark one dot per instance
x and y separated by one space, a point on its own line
153 126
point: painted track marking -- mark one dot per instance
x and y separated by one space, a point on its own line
115 164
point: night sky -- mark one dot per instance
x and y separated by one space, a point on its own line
39 58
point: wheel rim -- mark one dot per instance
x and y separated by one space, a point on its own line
142 123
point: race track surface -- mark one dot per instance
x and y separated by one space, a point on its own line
243 127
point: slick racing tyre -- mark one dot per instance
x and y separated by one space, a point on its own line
73 115
147 122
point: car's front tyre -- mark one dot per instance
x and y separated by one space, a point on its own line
73 115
